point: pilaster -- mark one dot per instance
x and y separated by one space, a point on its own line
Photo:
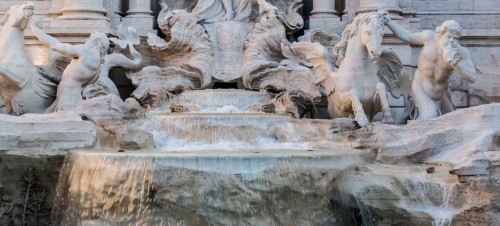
324 17
140 16
78 18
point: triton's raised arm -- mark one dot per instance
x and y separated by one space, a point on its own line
418 38
54 44
119 60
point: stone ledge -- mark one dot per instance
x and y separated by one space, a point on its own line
45 133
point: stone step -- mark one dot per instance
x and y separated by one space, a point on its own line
52 132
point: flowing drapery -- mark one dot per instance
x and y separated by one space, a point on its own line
209 11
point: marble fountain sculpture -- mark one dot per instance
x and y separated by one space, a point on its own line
180 153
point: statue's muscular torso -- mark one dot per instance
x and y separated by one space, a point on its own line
433 72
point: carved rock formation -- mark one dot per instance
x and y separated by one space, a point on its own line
447 166
187 57
269 64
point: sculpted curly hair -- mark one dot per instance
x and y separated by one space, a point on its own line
450 26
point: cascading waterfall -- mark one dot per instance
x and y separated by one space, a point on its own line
188 131
431 198
232 168
286 187
217 100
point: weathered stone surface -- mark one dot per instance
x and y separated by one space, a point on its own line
45 133
487 90
14 166
456 138
109 106
464 149
460 99
121 136
134 109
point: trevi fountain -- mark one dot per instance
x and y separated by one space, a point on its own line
250 112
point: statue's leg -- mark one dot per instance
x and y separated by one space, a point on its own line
7 73
350 101
381 100
425 107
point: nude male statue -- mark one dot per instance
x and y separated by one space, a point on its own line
83 69
441 55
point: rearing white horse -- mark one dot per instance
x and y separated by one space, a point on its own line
22 87
359 86
358 89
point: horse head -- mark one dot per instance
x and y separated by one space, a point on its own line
19 15
371 33
369 29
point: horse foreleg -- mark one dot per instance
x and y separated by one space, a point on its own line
9 75
381 98
350 101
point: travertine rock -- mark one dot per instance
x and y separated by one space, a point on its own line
123 136
485 90
457 138
103 107
45 133
464 151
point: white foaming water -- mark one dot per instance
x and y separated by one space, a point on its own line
431 198
232 131
223 109
165 141
221 97
151 188
219 101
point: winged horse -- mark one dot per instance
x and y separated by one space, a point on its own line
358 88
24 87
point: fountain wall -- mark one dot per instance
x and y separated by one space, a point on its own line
447 166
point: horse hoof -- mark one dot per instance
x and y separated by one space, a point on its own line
388 120
362 120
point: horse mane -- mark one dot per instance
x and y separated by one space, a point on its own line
352 29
